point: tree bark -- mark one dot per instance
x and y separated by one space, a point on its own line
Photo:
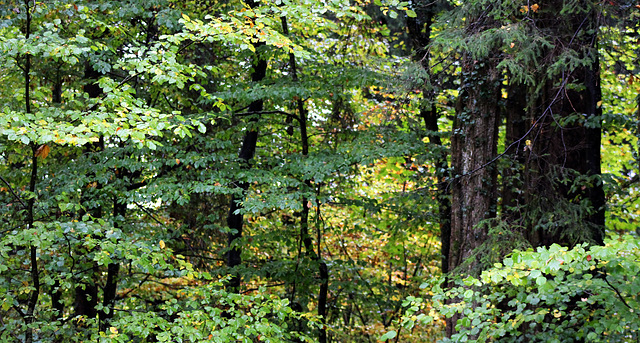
110 289
29 316
473 146
516 127
247 151
304 217
86 294
570 149
420 32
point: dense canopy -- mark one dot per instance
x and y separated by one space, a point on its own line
319 171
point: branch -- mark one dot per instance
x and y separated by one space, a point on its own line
519 140
130 77
617 292
293 116
257 289
13 192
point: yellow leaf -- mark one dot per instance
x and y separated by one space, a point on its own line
162 245
113 330
185 17
43 151
177 161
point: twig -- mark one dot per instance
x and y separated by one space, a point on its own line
13 192
618 293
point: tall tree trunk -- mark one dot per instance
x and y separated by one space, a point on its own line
55 291
247 151
420 33
562 148
473 146
29 316
110 289
304 217
86 294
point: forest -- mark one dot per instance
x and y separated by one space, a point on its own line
319 171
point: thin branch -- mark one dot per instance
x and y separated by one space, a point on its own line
130 77
617 292
13 192
293 116
517 142
257 289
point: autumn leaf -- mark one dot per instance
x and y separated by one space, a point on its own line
43 151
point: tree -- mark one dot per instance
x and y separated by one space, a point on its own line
570 147
547 69
279 170
134 113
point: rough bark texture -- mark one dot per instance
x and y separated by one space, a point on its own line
569 149
473 145
516 127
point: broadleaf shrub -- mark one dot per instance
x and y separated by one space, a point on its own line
552 294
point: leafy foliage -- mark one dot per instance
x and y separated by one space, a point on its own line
552 294
120 125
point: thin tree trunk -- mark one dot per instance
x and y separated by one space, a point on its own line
304 220
516 127
109 291
247 151
86 295
420 32
29 316
55 292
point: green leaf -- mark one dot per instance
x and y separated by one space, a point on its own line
468 293
389 335
541 280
